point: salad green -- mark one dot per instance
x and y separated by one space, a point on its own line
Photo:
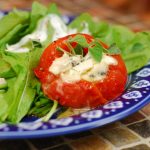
20 92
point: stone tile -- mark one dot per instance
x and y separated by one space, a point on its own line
138 147
91 143
107 127
120 136
146 110
142 128
61 147
78 135
46 142
133 118
14 145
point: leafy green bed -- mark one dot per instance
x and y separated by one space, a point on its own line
22 94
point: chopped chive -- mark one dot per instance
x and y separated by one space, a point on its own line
62 50
70 47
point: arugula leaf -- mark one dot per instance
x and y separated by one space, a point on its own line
21 93
37 12
79 23
6 70
8 22
53 9
96 51
6 99
3 106
27 93
50 35
12 35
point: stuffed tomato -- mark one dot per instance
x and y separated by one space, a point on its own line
79 71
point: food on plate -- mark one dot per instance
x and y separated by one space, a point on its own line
24 36
80 71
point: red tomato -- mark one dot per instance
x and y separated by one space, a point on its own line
82 93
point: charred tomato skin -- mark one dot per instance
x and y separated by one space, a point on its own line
82 93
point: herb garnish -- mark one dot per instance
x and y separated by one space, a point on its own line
96 51
78 50
95 48
80 39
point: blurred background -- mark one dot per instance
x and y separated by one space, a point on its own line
135 14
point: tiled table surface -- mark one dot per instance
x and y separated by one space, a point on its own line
131 133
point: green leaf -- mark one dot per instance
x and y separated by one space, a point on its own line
10 21
49 37
137 47
85 20
101 29
11 36
3 106
78 50
41 105
36 44
51 112
113 49
119 35
38 11
6 70
53 9
21 93
82 21
80 39
135 61
96 51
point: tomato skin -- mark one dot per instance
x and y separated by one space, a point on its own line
82 93
114 84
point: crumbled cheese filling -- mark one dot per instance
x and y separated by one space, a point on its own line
75 68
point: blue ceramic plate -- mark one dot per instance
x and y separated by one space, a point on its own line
137 95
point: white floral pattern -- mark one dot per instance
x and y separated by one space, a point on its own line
30 126
62 122
132 95
141 84
144 72
3 125
92 114
114 105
